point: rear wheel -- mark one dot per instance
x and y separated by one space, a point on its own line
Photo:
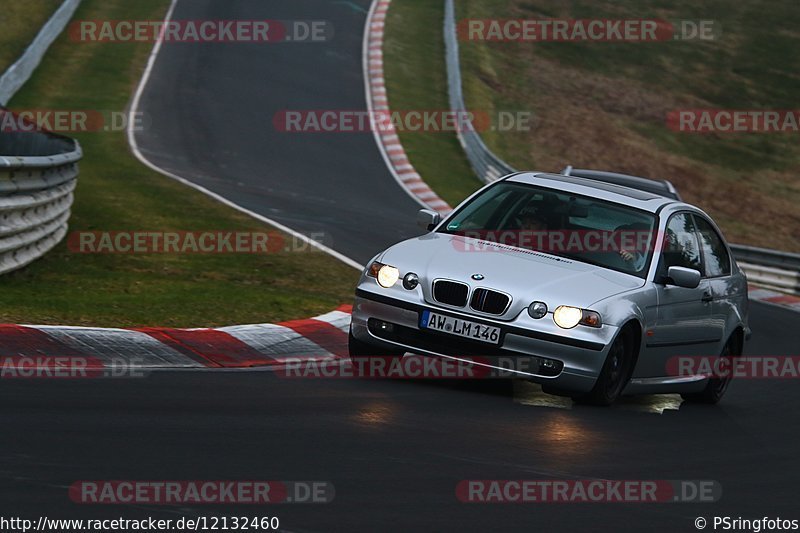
716 386
616 372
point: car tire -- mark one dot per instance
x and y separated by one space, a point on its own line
616 373
716 387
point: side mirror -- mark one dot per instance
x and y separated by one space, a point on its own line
683 277
427 219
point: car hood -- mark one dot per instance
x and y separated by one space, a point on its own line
526 275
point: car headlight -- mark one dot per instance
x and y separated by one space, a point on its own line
568 317
386 275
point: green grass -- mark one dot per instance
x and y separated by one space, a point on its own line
416 80
19 23
116 192
604 105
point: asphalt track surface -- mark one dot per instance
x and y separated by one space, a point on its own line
394 450
210 110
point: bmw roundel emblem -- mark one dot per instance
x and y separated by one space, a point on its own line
477 277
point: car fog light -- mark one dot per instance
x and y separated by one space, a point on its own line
386 326
537 309
410 281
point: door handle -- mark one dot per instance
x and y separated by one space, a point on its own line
707 297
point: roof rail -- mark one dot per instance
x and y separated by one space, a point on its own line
659 187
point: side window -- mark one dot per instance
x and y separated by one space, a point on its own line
680 244
715 255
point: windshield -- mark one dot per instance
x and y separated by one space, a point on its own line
564 224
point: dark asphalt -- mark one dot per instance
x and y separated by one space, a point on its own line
210 112
394 450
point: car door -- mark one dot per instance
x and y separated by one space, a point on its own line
683 317
717 272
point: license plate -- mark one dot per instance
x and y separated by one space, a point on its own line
460 328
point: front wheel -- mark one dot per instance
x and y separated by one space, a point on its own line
616 372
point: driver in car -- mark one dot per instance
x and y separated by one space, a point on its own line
635 259
534 221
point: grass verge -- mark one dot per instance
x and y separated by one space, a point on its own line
416 80
604 105
116 192
19 24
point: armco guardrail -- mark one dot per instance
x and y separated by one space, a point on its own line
486 165
769 268
38 170
18 73
38 174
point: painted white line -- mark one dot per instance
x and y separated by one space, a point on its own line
135 148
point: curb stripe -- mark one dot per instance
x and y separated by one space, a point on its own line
787 301
319 338
277 342
324 334
25 341
375 84
113 346
214 347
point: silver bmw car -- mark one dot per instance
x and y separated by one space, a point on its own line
591 284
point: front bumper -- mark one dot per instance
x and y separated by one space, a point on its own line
528 348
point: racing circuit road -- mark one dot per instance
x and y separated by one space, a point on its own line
394 450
